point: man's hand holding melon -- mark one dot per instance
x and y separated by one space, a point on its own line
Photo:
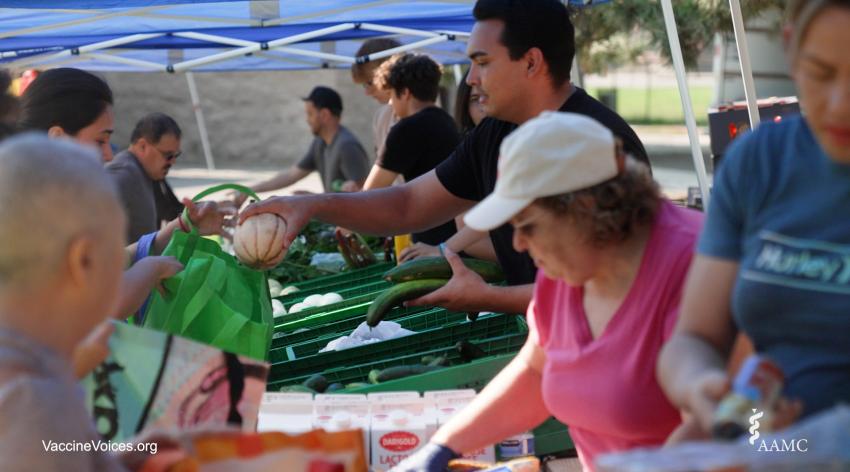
260 241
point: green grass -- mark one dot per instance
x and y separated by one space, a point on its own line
660 105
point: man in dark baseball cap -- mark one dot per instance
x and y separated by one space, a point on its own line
325 97
336 154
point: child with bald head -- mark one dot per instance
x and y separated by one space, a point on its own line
61 258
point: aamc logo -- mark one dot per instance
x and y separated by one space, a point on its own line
776 445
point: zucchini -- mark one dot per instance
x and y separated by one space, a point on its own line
353 385
397 294
439 268
401 371
317 382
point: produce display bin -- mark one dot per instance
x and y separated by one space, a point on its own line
408 318
305 357
373 272
280 375
345 290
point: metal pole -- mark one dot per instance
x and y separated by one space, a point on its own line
746 65
199 116
681 79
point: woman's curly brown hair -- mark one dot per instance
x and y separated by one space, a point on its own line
610 212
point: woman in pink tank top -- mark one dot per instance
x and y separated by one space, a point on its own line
612 256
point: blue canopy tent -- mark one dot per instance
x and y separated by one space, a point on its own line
221 35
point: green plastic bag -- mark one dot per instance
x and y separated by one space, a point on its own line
214 299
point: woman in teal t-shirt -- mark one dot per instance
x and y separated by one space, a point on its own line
774 257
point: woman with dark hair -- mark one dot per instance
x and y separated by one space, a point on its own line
773 259
612 255
468 112
73 103
76 104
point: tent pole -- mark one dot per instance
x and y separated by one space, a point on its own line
199 116
684 93
746 65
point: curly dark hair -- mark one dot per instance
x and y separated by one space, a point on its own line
610 212
416 72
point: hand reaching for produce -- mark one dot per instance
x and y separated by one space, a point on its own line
295 211
464 292
158 268
418 250
210 217
237 198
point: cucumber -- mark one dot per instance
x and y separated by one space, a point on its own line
401 371
439 268
397 294
353 385
317 382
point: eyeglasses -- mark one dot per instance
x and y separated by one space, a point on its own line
169 156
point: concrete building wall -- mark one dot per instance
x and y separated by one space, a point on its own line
254 119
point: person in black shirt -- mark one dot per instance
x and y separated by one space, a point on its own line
425 134
521 55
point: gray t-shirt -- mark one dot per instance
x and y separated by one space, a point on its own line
343 159
41 406
136 191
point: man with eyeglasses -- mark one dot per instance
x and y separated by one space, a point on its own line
140 170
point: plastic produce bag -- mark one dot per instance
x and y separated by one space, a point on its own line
363 335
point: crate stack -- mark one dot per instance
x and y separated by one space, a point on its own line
300 336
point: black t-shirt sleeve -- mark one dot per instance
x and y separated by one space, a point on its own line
400 150
457 172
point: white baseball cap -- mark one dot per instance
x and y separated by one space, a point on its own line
552 154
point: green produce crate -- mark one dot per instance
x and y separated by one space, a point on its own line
412 318
349 276
552 438
292 323
475 374
305 357
347 291
356 301
279 376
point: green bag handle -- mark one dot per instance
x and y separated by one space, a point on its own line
214 189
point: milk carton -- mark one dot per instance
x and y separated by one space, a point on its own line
449 405
290 413
398 429
431 398
340 412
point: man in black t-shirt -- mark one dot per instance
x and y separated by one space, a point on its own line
521 55
425 134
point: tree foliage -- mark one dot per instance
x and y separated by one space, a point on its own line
617 32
